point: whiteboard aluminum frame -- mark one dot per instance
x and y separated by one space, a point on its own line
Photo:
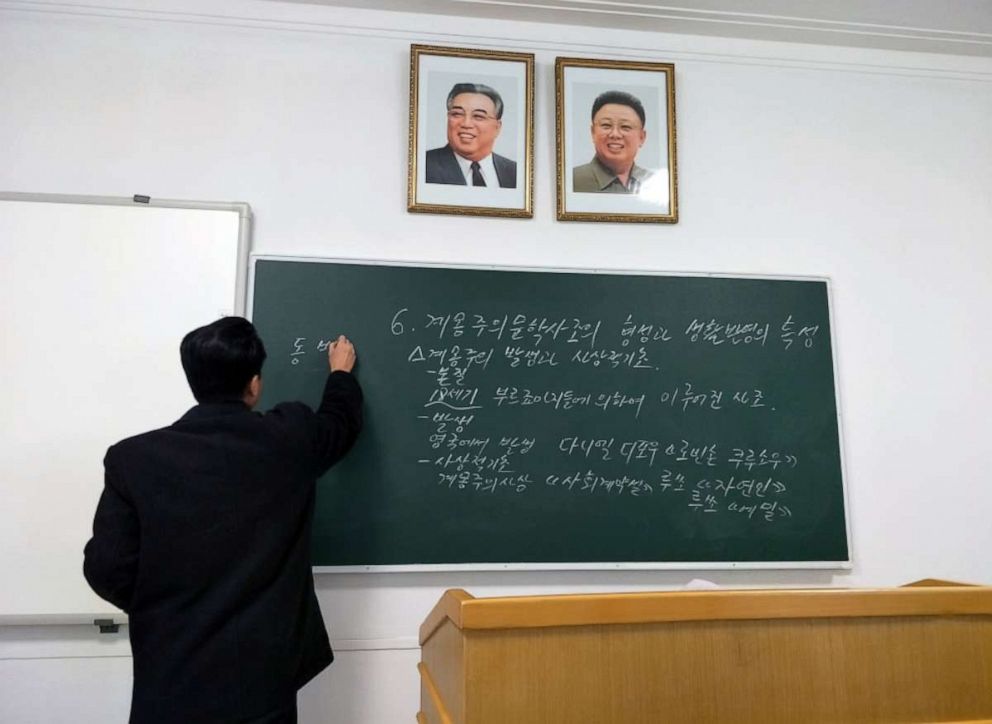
610 566
239 305
241 208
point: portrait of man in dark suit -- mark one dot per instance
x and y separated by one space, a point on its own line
475 113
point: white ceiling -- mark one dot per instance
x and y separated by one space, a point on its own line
960 27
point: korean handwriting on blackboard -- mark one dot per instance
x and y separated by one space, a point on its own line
493 409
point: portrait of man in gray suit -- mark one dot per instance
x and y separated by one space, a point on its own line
475 113
617 135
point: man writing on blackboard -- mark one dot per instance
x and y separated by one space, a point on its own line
202 536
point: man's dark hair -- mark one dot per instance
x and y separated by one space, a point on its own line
485 90
221 358
621 98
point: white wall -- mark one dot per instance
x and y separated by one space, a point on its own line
870 167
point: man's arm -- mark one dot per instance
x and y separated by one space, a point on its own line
110 559
340 413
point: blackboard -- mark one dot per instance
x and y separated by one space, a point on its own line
546 418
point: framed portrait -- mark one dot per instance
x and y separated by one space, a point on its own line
615 141
471 132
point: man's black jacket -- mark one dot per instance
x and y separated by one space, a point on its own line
202 536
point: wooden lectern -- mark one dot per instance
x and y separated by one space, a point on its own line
918 653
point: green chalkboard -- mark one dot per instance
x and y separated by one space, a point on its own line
548 417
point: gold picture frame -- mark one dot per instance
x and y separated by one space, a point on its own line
471 132
615 141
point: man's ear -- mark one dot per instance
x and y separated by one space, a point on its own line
253 391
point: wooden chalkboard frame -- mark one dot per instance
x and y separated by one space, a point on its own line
618 565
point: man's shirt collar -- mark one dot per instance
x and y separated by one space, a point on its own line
215 409
605 177
486 166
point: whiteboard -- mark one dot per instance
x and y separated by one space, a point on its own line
95 296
